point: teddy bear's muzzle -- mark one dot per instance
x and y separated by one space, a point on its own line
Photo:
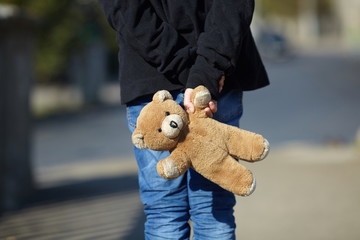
172 125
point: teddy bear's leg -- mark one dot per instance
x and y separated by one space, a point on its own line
247 145
232 176
172 166
201 97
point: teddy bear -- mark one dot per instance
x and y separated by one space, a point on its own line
195 140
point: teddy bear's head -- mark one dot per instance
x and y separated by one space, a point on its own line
160 123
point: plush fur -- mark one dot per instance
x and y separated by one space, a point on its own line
197 141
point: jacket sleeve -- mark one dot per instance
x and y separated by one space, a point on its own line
227 22
150 36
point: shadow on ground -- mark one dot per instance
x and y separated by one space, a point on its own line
101 208
85 189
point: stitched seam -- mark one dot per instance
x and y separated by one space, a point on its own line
129 118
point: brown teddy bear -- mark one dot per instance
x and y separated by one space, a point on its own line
197 141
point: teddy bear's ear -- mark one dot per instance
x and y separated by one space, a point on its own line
138 140
161 96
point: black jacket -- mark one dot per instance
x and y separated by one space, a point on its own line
176 44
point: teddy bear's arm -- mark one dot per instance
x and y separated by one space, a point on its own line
174 165
247 145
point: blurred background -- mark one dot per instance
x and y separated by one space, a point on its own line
67 169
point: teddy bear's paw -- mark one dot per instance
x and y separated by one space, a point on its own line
266 149
202 98
138 141
252 187
170 169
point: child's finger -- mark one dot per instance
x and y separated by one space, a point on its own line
213 106
187 100
209 113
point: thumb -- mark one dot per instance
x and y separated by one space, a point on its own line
187 100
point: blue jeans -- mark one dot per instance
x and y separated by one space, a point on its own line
170 204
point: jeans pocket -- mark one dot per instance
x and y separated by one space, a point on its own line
132 113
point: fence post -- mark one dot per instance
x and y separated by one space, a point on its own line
16 66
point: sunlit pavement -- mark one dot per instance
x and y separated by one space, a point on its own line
307 188
303 192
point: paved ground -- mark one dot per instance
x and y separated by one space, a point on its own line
308 187
304 192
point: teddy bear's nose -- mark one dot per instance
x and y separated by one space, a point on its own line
173 124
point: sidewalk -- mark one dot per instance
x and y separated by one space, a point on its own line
303 192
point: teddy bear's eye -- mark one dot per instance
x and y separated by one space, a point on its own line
167 113
159 130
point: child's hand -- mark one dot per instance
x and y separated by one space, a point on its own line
212 107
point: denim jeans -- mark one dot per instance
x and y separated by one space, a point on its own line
170 204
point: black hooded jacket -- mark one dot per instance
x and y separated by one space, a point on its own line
178 44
